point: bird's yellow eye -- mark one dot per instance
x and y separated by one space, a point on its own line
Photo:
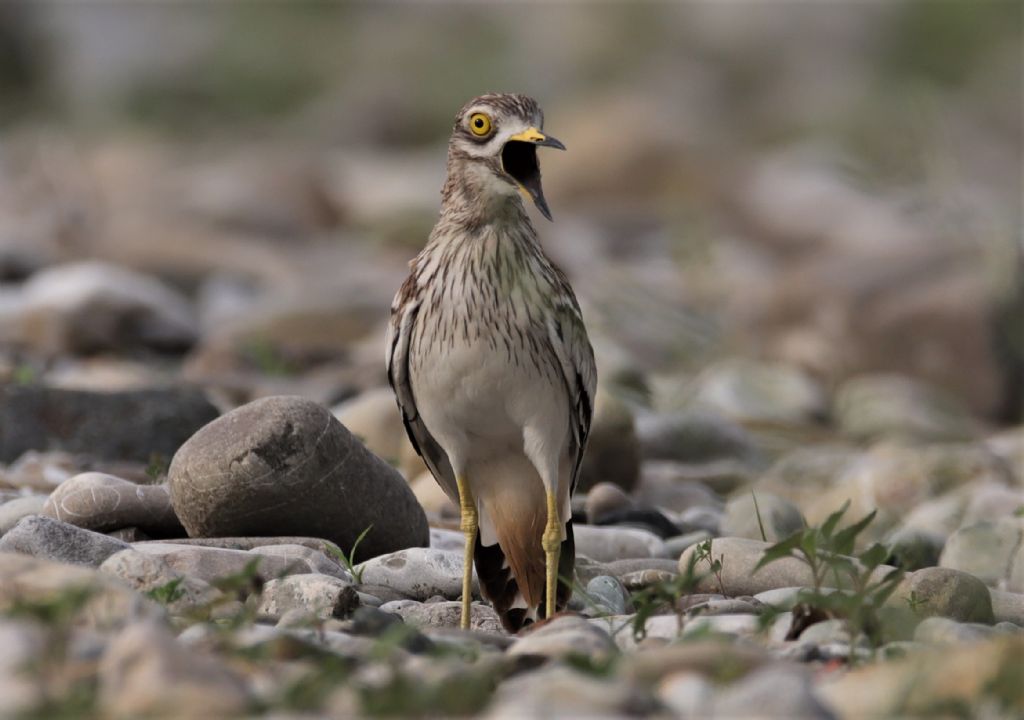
479 124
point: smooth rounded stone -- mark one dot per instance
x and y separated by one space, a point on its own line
739 557
613 451
986 550
992 501
12 511
418 573
211 564
432 497
868 407
687 694
803 472
940 515
1009 446
565 636
708 657
473 641
701 518
607 594
948 593
317 561
695 436
374 418
619 568
149 574
447 614
43 537
130 425
89 307
101 502
889 478
779 518
145 671
1008 607
284 465
448 540
826 632
311 594
676 545
253 543
936 677
559 691
783 692
605 498
23 643
640 579
656 627
384 593
783 598
368 599
733 624
615 543
725 606
940 630
110 604
39 471
754 392
668 485
913 549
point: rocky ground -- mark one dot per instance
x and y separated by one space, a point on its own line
769 548
795 239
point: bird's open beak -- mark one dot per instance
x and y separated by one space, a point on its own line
519 160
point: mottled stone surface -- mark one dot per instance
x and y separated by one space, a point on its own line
101 502
44 537
418 573
286 466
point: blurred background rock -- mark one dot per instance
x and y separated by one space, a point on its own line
760 202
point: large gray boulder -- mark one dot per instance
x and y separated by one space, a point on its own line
130 425
286 466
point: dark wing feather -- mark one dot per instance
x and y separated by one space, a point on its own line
569 341
404 313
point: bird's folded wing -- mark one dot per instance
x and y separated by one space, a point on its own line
569 341
404 312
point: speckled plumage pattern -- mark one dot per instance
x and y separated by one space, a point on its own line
491 365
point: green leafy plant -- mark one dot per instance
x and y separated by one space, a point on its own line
653 599
167 593
349 560
157 468
844 585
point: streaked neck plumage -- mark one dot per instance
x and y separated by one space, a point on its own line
475 197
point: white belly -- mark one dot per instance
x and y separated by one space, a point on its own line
477 403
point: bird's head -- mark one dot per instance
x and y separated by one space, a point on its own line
494 146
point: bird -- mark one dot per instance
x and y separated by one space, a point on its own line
492 367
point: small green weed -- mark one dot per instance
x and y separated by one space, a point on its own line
653 599
828 553
349 560
167 593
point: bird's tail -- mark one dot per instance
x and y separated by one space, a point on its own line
519 605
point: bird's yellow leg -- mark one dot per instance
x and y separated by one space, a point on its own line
552 544
468 524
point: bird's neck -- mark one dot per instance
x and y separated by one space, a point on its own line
474 200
